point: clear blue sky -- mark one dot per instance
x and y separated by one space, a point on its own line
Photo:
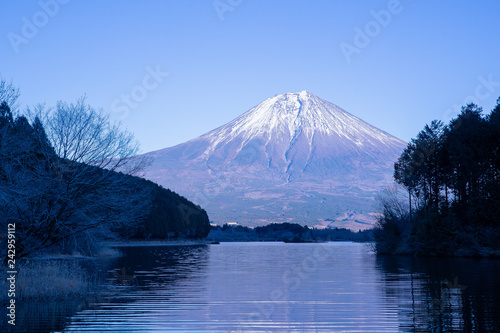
223 57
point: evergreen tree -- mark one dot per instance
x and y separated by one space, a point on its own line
452 175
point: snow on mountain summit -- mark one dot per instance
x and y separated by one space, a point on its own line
301 113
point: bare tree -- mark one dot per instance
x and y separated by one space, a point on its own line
393 201
67 186
83 134
9 94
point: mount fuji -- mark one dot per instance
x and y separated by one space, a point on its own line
293 158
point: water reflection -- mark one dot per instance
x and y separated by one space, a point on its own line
240 287
443 294
156 267
50 315
146 283
277 287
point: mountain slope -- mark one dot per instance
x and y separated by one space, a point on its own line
294 157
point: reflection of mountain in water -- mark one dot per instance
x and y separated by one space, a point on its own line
286 287
443 294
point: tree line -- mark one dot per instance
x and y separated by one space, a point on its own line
69 180
287 232
451 175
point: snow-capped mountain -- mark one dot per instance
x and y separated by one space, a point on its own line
292 158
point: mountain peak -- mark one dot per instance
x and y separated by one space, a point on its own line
302 95
286 116
293 157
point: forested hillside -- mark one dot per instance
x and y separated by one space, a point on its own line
70 189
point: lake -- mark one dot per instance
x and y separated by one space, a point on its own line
278 287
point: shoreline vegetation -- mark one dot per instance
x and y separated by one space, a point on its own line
70 182
448 199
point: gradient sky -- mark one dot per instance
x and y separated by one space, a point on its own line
223 57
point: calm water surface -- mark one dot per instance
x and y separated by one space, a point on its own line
277 287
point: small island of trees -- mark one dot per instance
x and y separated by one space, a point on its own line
451 176
285 232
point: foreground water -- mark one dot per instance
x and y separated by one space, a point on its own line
278 287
